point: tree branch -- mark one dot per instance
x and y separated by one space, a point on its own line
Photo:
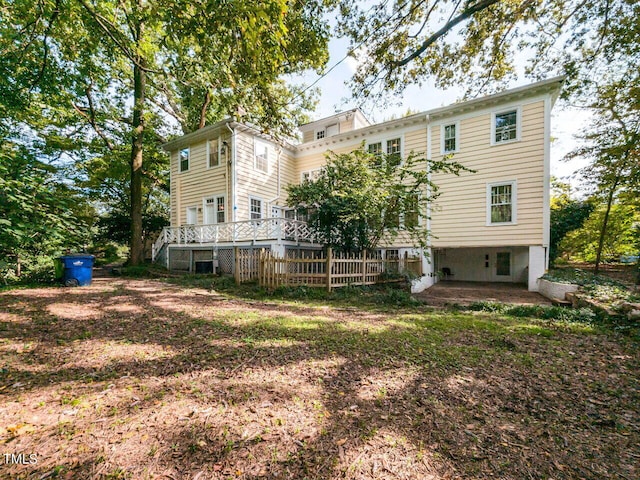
203 109
447 26
109 28
91 118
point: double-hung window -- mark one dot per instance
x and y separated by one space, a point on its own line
449 138
412 211
501 203
375 148
505 127
255 208
389 151
310 175
261 156
183 158
213 154
394 151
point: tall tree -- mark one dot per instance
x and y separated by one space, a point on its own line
88 70
621 236
611 144
567 214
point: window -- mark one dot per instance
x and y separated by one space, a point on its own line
505 126
388 150
320 134
213 154
394 151
220 210
412 212
501 199
392 217
311 175
393 146
214 210
375 148
333 130
392 254
262 156
450 138
255 208
192 215
293 214
183 156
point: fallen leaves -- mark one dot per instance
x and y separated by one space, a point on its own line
186 388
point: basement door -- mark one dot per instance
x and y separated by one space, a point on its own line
503 267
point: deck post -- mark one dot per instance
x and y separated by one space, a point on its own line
236 265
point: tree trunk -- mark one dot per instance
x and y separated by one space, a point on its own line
139 80
603 230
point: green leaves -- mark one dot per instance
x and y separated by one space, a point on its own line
361 199
39 213
481 44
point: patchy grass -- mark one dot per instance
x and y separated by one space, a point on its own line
388 296
136 378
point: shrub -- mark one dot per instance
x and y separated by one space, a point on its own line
542 312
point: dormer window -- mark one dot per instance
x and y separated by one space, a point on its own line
328 131
333 130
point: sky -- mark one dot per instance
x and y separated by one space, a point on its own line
335 97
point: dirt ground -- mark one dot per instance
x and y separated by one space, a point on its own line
465 293
139 379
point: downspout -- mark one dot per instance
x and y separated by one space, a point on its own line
233 172
227 177
429 268
277 197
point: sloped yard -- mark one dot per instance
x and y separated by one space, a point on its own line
141 379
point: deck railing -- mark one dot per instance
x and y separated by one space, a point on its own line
250 230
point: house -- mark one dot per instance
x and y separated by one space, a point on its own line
228 185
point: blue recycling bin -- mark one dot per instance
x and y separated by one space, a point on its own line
78 270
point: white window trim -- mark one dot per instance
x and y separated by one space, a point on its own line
262 206
457 138
311 173
186 211
256 144
514 203
188 149
219 153
383 141
215 210
518 110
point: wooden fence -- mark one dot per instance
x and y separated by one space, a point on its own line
246 264
332 270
